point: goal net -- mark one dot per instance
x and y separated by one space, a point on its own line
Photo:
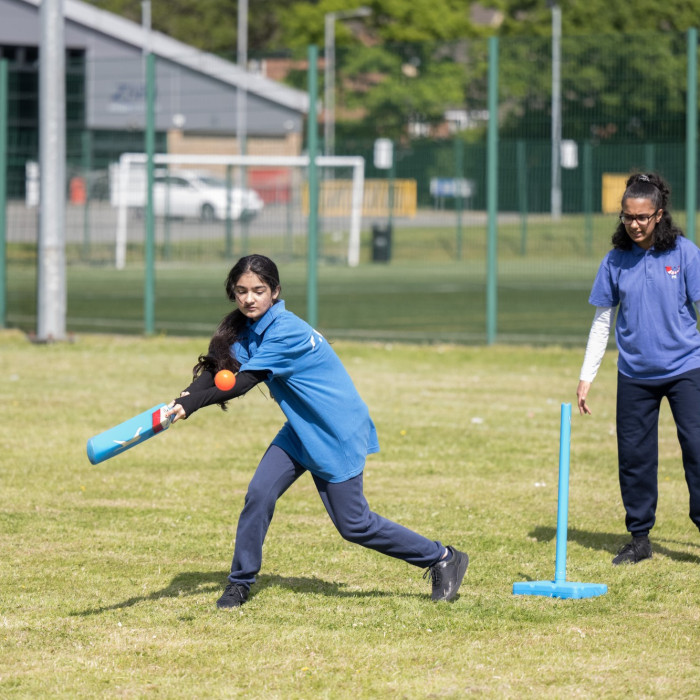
207 206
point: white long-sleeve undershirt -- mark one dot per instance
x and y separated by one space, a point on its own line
597 342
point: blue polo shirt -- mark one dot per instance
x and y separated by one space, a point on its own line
656 327
328 430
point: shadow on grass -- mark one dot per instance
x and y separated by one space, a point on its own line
196 582
187 583
608 542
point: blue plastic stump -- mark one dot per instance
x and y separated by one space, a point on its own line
560 587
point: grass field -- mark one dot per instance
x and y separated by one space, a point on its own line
110 574
424 294
406 301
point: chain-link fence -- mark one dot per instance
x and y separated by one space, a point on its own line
423 239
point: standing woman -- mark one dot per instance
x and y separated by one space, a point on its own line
653 275
328 431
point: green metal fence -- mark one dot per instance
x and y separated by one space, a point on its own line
481 259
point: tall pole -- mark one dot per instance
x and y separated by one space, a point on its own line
329 85
492 195
149 297
242 60
51 253
146 26
149 285
312 239
521 169
4 128
588 195
86 158
242 106
459 177
691 139
556 112
329 73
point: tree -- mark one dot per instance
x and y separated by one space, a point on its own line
210 25
596 17
623 64
610 90
397 86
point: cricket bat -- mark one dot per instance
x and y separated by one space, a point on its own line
128 434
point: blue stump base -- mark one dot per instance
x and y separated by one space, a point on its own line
559 589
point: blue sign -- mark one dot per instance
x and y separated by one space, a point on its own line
451 187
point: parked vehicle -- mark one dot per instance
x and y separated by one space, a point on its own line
191 194
185 194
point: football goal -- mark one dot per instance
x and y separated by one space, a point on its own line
270 200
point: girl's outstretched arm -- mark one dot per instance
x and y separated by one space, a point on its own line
202 392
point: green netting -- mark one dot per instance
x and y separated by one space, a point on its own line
622 110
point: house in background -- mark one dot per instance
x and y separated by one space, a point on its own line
197 93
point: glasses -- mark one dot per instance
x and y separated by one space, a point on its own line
641 219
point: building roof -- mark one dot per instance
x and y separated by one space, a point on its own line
177 52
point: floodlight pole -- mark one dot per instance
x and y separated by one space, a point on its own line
146 26
51 273
329 73
556 112
242 107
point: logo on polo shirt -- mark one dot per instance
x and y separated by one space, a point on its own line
312 340
673 271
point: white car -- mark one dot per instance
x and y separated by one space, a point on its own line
190 194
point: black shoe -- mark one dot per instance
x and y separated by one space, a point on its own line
447 575
633 552
234 596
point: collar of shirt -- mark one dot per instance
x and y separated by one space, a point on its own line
639 251
263 323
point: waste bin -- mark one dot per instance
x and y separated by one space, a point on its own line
381 242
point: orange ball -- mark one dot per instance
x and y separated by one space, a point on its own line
225 380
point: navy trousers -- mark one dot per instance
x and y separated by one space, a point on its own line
638 403
346 506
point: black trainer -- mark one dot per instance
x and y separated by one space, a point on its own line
633 552
234 596
447 575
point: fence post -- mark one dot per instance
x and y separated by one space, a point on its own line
459 177
691 137
149 295
649 157
312 147
521 166
588 195
556 111
492 195
4 128
86 162
229 220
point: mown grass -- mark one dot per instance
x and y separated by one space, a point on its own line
409 301
404 301
426 292
110 573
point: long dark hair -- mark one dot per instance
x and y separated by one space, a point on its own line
219 356
652 187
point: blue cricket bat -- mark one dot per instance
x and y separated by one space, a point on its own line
128 434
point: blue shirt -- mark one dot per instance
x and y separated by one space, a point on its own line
328 430
656 327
